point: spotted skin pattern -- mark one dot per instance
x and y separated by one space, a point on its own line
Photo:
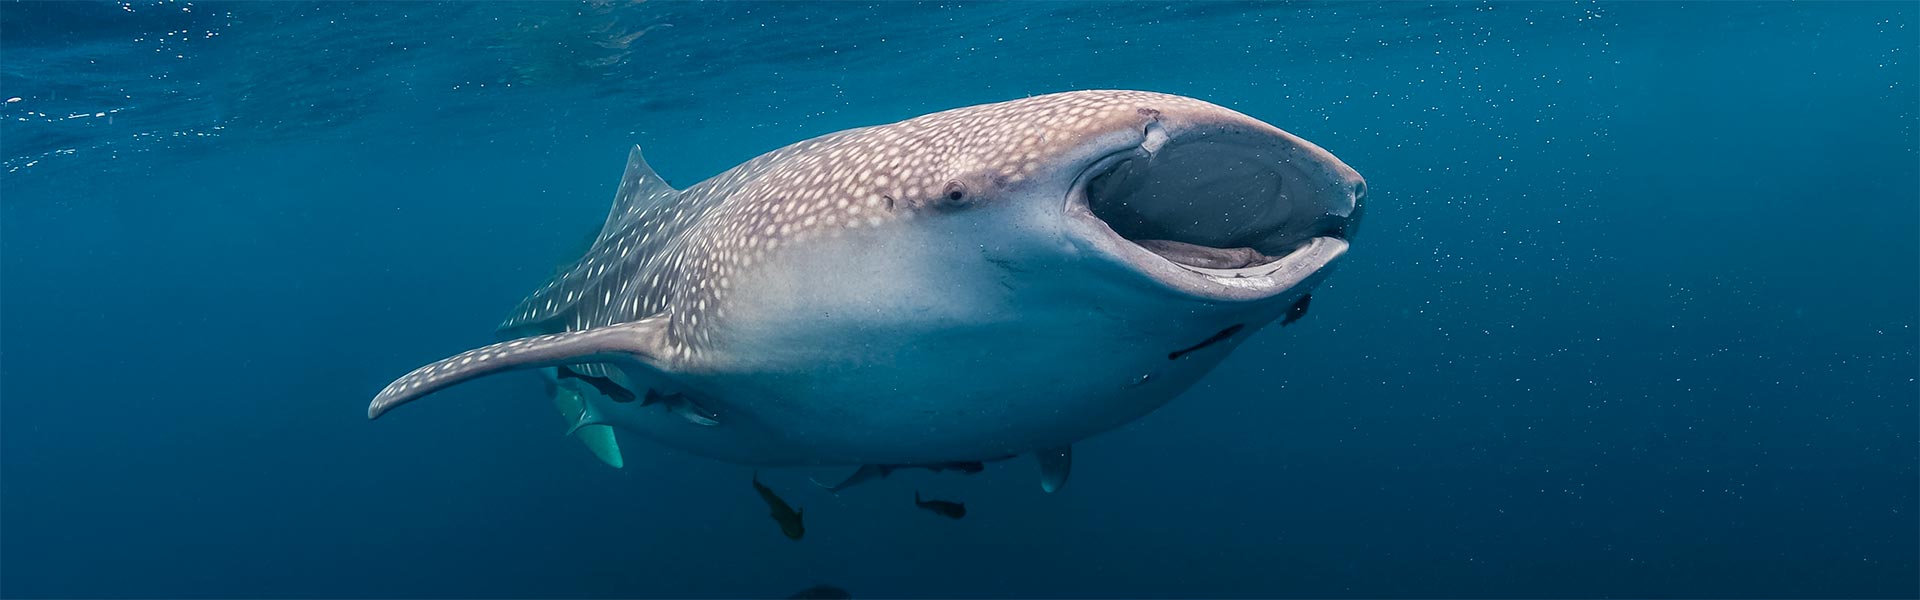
679 253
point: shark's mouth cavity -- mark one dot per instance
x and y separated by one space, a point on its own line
1249 211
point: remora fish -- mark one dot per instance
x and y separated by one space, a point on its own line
1000 279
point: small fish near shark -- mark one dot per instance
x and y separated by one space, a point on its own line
989 281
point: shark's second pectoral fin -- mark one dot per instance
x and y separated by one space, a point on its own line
1055 465
634 345
865 474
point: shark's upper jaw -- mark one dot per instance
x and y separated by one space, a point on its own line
1226 211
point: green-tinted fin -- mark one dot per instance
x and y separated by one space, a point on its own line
586 426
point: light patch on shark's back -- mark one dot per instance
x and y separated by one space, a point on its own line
868 177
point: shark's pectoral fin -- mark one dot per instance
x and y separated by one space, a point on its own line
633 345
1055 465
601 441
587 425
584 420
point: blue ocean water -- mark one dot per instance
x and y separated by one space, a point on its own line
1632 315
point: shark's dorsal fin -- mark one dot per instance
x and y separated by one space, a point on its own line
637 345
641 191
639 224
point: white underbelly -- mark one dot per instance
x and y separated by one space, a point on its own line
885 362
977 394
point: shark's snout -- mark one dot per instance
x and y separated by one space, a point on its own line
1218 205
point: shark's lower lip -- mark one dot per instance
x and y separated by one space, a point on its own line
1244 284
1264 269
1280 274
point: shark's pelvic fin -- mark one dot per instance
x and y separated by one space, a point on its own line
1055 465
587 425
636 345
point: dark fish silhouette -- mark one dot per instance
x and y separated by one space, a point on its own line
821 592
1299 310
951 510
601 384
786 516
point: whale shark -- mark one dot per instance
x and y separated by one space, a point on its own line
969 285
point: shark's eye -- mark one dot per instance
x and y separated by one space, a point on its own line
952 198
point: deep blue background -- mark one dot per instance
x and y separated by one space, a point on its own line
1633 312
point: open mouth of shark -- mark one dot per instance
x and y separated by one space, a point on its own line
1225 216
